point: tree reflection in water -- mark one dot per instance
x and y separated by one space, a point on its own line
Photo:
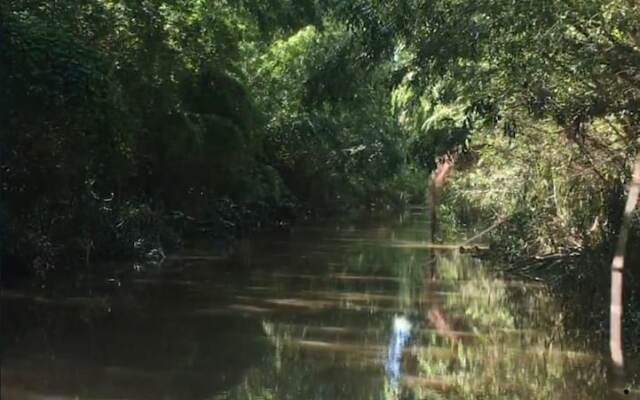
363 313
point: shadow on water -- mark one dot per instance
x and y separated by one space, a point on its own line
340 311
101 350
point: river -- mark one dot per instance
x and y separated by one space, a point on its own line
341 310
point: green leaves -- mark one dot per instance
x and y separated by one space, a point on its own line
182 101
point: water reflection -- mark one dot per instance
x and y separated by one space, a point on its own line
400 335
353 312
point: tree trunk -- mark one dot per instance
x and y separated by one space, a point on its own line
436 181
617 269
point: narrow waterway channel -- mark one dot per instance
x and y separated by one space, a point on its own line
350 310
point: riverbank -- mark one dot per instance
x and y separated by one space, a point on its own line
580 283
143 236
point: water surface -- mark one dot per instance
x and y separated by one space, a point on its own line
364 310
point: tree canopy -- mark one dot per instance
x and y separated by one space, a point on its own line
183 104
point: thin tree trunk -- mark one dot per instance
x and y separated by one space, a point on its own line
432 205
436 181
617 269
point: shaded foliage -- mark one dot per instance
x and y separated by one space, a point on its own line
114 110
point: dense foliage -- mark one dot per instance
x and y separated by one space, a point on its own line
126 122
545 94
130 126
121 116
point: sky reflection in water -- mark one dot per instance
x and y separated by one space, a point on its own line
399 337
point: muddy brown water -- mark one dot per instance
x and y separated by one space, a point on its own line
313 314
